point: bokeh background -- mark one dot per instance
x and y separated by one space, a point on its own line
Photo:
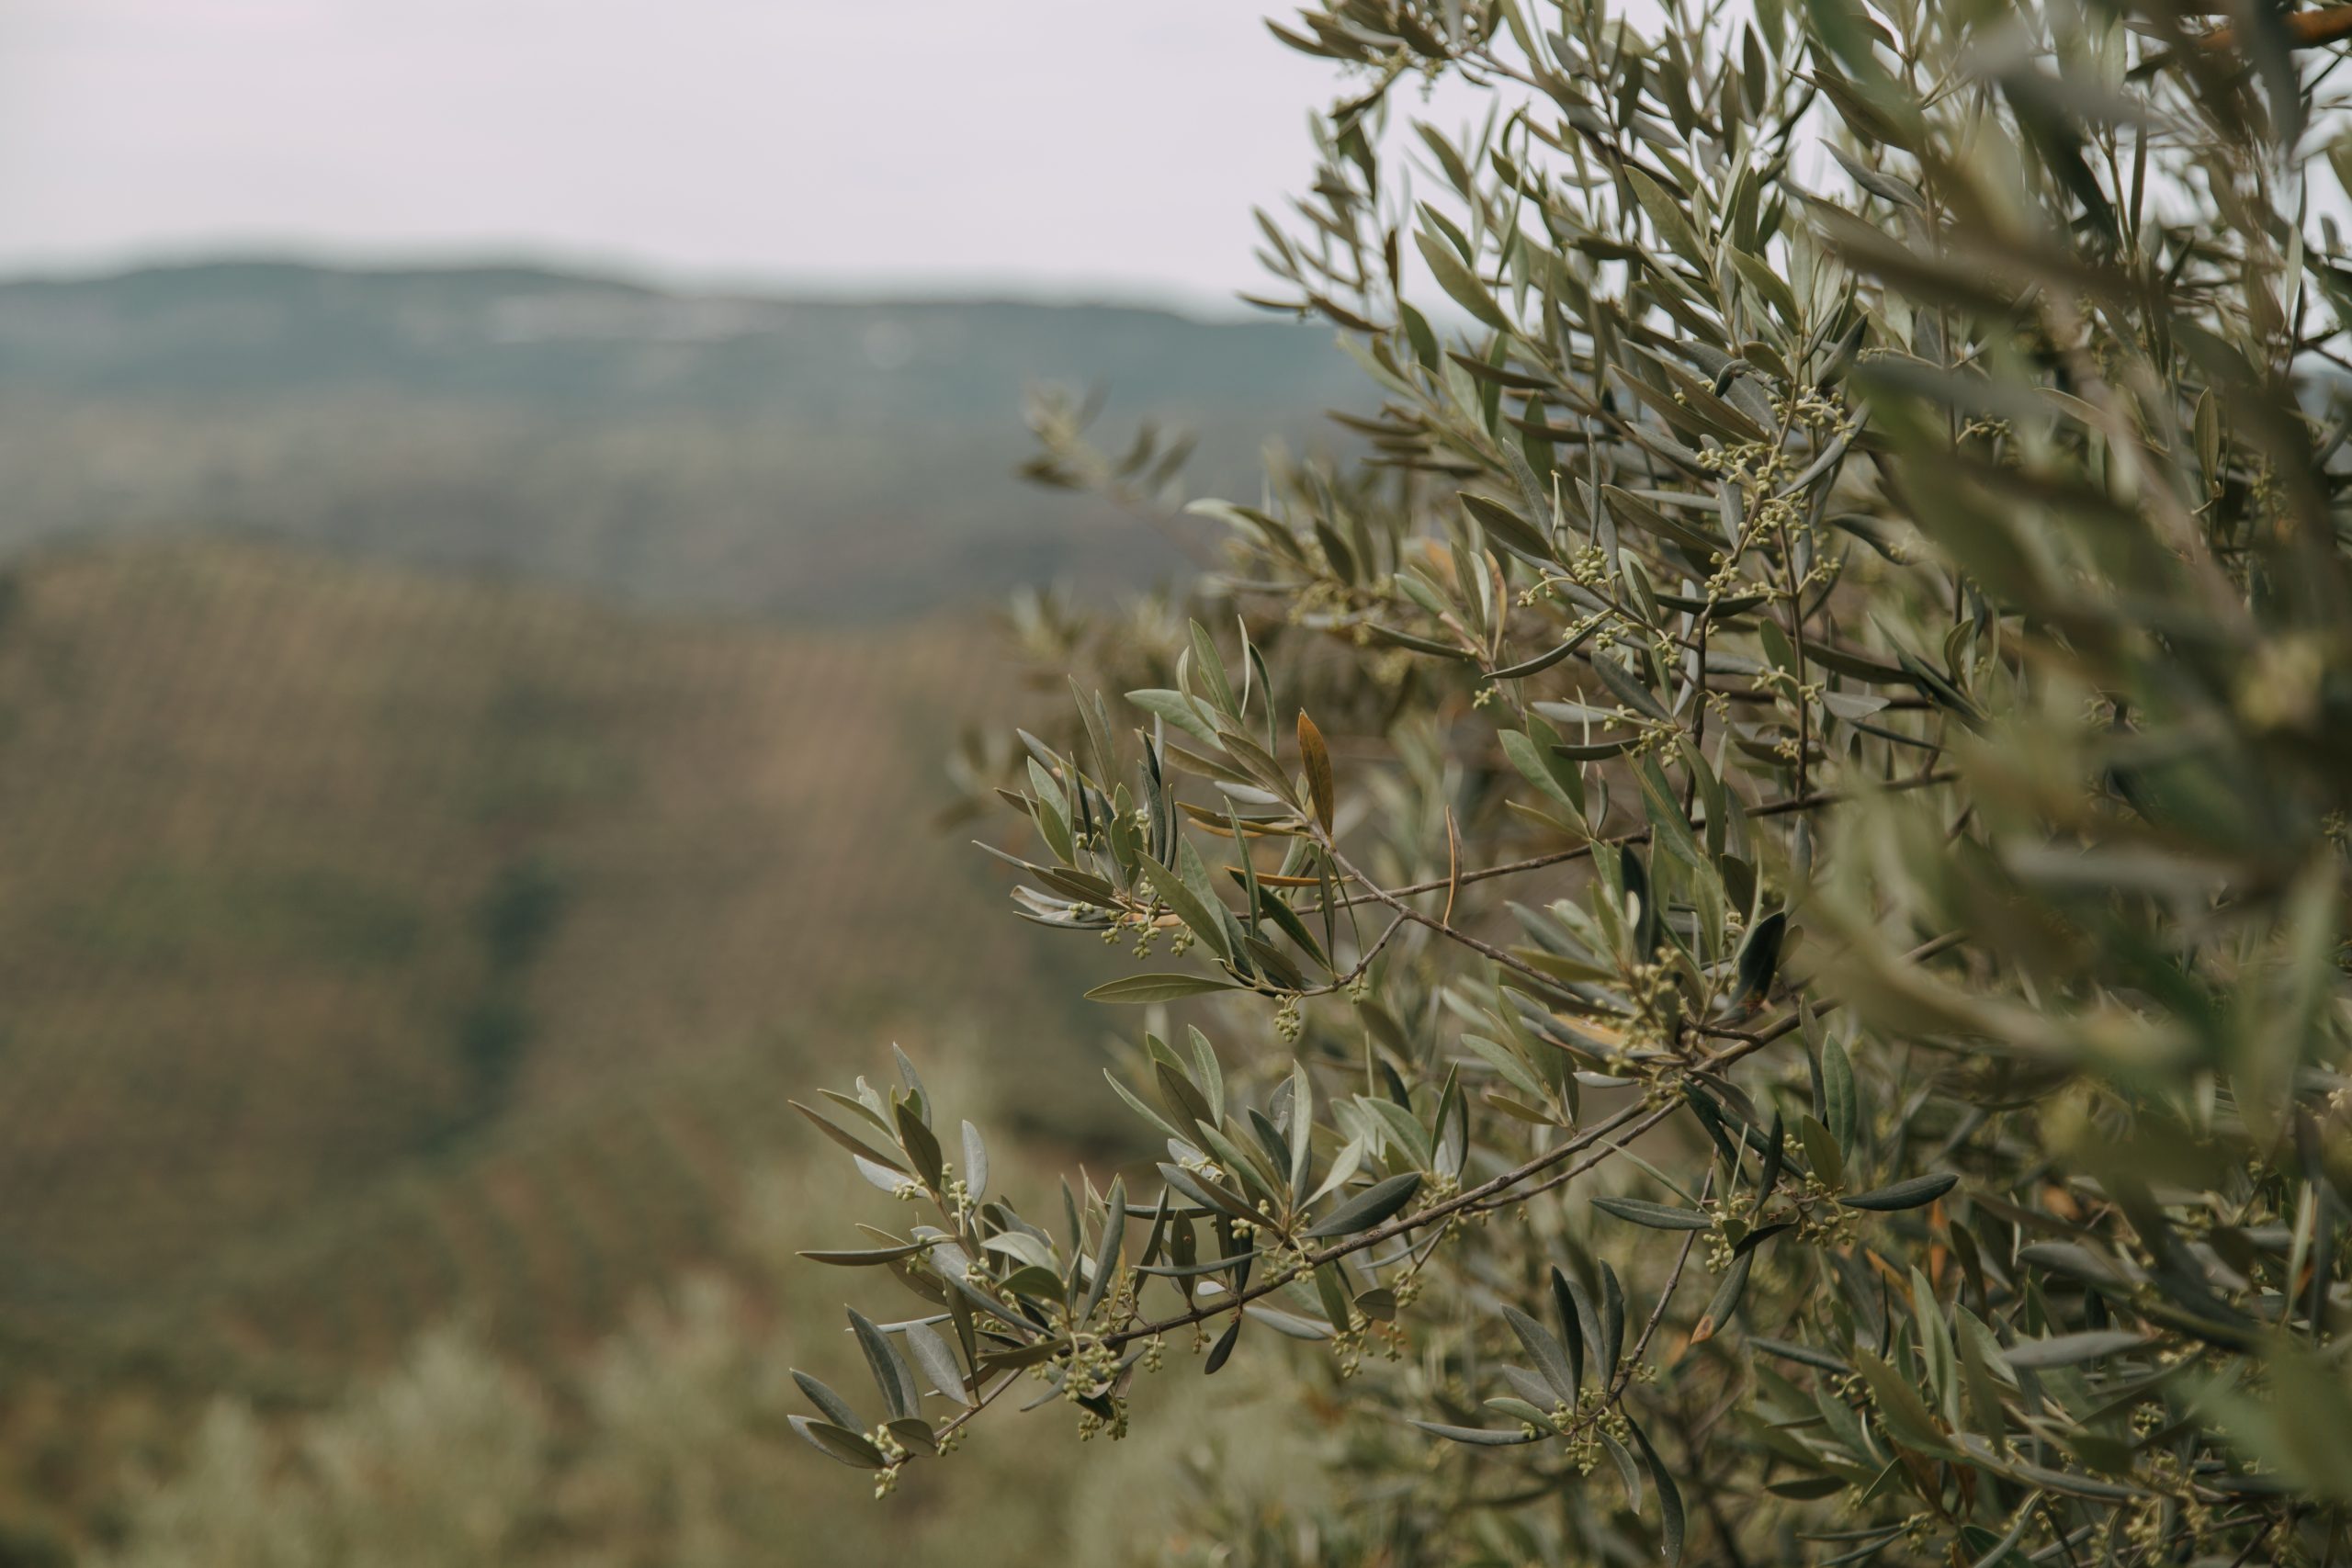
507 509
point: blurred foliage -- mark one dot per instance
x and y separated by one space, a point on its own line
1744 922
663 1443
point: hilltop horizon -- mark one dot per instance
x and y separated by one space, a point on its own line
812 458
645 275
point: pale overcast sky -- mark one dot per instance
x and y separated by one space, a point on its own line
1051 146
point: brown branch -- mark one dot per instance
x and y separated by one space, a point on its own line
1638 835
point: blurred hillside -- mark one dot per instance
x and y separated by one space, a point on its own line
317 875
471 746
379 948
815 460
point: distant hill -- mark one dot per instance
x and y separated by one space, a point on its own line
812 458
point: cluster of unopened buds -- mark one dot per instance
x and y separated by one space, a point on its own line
1726 582
2193 1510
1753 465
959 1197
1812 410
1284 1254
2145 1529
1651 738
1139 924
1778 683
1821 1219
1347 1344
1090 1425
1772 516
1737 1210
894 1458
1086 1369
1647 986
1585 1425
1290 1020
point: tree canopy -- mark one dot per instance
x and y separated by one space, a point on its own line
1742 918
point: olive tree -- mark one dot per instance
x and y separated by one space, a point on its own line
1742 919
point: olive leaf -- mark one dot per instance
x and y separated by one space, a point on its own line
1318 760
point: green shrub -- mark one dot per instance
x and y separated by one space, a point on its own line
1788 1002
